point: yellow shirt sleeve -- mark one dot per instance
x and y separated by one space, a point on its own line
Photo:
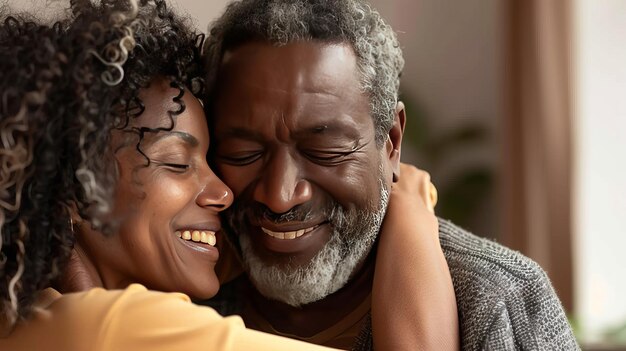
138 319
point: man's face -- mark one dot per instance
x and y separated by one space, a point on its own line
296 144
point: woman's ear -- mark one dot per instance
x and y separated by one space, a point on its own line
394 140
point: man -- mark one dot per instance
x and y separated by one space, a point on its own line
307 130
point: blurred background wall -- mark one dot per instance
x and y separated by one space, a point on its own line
600 168
518 110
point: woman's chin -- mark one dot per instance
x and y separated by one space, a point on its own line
203 292
203 286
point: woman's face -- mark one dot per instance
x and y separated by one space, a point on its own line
168 211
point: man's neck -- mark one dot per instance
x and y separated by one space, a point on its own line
310 319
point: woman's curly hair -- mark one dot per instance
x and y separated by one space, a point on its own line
63 88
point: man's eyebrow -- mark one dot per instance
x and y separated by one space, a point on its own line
186 137
328 128
333 128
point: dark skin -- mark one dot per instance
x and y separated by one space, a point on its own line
293 128
178 192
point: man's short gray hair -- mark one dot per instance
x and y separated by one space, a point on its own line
378 53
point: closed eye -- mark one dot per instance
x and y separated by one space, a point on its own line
174 167
240 159
328 157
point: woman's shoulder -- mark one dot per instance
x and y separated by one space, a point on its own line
133 294
133 318
138 306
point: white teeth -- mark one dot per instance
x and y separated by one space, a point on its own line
288 235
187 235
195 236
207 237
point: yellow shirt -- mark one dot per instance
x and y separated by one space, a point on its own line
135 319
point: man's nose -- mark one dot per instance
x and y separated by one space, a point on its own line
282 186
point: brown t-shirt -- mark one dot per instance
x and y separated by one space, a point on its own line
341 335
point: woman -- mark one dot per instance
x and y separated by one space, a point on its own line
103 166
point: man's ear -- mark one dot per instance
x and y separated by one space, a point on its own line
394 140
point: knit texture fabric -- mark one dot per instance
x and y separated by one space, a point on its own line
505 300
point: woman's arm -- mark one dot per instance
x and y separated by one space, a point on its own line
413 301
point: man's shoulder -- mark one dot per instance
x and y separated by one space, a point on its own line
485 259
505 300
485 273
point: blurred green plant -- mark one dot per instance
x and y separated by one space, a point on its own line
616 335
613 338
459 198
574 322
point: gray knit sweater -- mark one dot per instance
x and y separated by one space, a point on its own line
505 300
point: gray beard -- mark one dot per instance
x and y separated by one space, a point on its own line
353 235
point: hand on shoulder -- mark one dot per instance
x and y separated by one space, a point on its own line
412 195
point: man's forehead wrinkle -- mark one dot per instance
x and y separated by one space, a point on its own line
264 86
240 133
300 83
321 73
283 130
320 95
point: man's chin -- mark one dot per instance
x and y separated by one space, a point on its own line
286 262
278 278
296 285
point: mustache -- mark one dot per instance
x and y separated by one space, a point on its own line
299 213
244 212
253 211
